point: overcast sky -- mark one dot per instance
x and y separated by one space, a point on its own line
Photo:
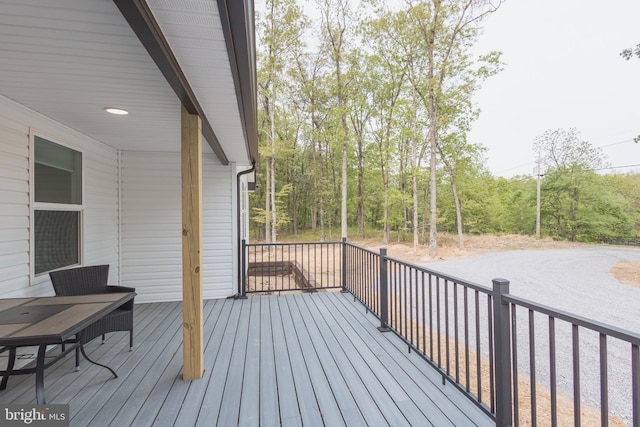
563 70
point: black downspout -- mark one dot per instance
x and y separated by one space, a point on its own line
240 294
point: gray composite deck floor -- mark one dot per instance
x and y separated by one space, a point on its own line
307 359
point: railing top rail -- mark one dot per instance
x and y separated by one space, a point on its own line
293 244
594 325
463 282
459 281
360 248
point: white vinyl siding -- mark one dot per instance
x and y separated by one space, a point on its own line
100 200
218 229
152 226
151 230
100 216
14 209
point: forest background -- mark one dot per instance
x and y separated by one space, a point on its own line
364 115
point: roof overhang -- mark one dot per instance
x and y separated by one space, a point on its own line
70 59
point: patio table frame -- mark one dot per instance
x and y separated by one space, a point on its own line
45 321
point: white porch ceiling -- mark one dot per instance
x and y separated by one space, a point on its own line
70 59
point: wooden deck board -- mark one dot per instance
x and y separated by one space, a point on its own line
227 387
307 402
132 392
269 405
188 406
291 360
327 403
362 408
250 399
167 389
342 389
383 388
456 407
113 393
288 401
149 384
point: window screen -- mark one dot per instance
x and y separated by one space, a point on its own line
57 180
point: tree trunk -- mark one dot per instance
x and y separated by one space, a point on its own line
416 225
273 172
433 142
360 189
415 164
458 214
425 215
343 207
456 199
433 226
345 141
267 207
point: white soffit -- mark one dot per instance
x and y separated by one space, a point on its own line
70 59
194 33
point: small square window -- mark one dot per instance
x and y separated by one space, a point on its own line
58 173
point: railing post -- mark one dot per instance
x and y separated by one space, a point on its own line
384 292
344 265
243 282
502 352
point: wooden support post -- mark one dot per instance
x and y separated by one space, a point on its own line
192 326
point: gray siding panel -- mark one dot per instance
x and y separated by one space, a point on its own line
101 208
217 229
151 239
152 226
14 210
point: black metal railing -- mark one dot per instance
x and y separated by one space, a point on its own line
579 360
362 268
281 267
521 362
445 319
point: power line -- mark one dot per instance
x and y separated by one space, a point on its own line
516 167
599 146
617 167
615 143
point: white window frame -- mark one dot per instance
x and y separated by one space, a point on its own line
34 206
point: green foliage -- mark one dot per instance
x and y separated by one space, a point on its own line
261 215
578 206
518 199
575 202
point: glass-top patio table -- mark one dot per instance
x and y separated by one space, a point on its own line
49 321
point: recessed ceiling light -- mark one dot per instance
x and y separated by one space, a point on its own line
118 111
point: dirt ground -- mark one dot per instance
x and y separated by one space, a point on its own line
627 273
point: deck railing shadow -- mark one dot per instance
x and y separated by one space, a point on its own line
482 340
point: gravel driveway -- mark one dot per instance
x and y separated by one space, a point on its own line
578 281
574 280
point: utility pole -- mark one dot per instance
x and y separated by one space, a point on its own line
539 174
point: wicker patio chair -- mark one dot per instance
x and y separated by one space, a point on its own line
93 280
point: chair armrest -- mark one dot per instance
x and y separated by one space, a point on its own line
119 289
127 305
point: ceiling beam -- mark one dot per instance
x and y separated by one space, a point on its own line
142 22
238 26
